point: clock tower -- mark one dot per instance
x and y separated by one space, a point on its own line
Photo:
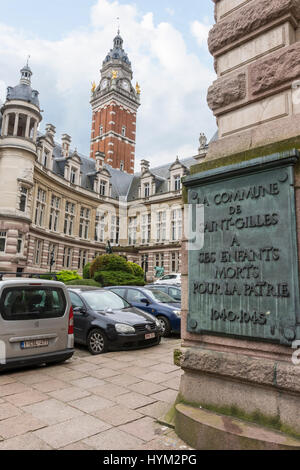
114 104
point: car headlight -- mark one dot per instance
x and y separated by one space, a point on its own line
158 324
121 328
177 313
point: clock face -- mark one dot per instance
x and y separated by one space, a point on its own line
104 84
125 85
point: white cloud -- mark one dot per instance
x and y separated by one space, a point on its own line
2 91
174 82
200 31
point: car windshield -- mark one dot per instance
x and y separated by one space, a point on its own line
104 300
159 296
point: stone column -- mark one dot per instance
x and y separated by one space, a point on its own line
35 131
27 127
16 125
5 127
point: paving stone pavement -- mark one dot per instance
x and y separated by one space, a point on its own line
107 402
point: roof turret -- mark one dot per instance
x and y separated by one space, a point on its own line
23 91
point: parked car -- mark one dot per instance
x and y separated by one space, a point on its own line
173 278
172 291
155 302
36 323
105 321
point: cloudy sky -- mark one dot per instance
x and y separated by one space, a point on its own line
68 40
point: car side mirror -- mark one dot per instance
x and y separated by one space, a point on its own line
145 301
79 310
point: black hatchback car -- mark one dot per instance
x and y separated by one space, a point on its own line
105 321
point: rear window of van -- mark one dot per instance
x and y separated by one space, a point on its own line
27 303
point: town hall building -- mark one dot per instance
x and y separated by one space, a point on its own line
59 208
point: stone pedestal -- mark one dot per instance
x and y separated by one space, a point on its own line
241 314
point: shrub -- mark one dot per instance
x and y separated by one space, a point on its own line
118 278
83 282
48 277
66 276
86 271
137 270
110 263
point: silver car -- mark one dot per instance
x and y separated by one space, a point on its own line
36 323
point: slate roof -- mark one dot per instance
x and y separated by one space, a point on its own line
23 92
117 52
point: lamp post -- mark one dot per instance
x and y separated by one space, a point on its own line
52 260
108 248
145 266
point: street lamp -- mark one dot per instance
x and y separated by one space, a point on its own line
145 266
52 260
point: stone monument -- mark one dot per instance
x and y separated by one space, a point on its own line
241 314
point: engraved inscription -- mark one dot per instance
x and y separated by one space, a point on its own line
242 281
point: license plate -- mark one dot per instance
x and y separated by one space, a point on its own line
150 336
36 343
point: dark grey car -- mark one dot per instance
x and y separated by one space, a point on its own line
105 321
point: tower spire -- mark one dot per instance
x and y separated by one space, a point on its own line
115 103
26 74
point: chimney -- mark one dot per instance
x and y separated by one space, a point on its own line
100 157
50 129
66 141
145 165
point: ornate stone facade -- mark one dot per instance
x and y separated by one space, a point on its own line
57 204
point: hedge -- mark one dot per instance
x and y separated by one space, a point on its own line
66 276
62 276
118 278
83 282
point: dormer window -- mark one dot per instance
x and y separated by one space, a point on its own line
147 190
124 131
73 175
177 183
45 159
103 185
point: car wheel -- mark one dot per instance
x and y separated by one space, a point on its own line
165 326
96 342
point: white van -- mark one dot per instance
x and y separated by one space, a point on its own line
36 323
